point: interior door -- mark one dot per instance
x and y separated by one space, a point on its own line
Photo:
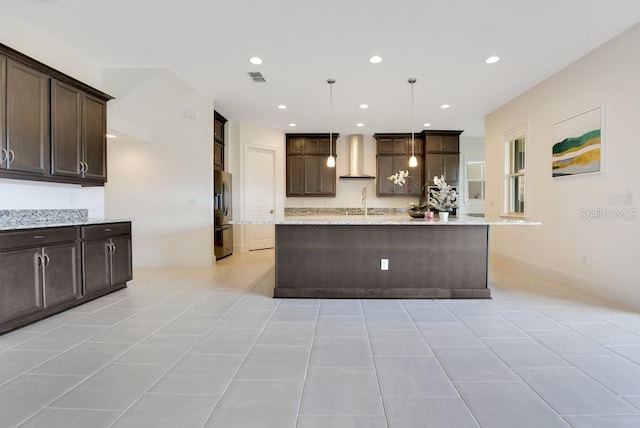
260 197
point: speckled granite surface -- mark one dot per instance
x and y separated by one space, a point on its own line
386 220
31 219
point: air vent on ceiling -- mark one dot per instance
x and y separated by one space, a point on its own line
256 76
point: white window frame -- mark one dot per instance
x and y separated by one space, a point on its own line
508 177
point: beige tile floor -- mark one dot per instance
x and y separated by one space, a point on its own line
209 347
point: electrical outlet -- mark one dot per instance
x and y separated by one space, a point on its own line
585 261
384 264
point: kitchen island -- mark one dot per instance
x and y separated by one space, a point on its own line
382 257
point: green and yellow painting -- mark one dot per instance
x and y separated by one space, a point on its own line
577 148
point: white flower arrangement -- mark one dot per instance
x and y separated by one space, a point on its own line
445 198
399 177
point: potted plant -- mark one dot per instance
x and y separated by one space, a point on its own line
414 209
443 199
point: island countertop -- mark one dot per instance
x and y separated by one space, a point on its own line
378 220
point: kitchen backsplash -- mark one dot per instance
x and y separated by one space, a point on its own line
342 211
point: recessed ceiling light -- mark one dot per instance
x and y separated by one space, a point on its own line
426 125
375 59
255 60
360 124
363 106
282 107
293 125
445 106
111 136
492 59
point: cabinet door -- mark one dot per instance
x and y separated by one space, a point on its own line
20 283
312 146
295 146
295 175
96 268
451 165
66 129
312 175
121 270
218 156
95 137
392 146
27 119
434 166
3 111
218 131
327 178
385 169
450 143
61 274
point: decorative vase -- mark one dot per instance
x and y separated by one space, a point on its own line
443 216
416 213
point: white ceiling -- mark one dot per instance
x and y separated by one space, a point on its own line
303 42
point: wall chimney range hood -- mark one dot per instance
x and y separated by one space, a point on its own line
356 159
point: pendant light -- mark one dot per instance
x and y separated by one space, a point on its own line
331 161
413 161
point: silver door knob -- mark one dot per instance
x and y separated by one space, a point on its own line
270 211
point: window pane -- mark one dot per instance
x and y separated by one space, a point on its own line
517 155
475 190
475 171
517 194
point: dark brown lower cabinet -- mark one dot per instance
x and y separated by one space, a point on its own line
37 278
106 257
47 270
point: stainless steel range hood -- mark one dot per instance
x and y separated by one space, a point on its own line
356 159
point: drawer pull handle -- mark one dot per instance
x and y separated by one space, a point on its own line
39 236
12 157
107 230
46 260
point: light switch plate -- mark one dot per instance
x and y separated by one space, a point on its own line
384 264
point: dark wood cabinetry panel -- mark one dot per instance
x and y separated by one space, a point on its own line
27 114
307 170
121 269
95 137
66 130
61 274
442 141
20 283
53 126
442 156
394 152
47 270
95 266
3 111
219 141
106 257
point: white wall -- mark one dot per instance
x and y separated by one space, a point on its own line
19 194
600 256
164 185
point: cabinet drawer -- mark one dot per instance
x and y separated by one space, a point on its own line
37 237
105 230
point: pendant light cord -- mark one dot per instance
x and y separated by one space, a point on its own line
413 144
331 82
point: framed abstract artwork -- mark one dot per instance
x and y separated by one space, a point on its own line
577 144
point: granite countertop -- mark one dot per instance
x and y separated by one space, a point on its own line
387 220
36 219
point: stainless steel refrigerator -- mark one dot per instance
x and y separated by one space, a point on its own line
223 231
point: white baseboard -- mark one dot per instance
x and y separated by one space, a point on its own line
173 261
568 279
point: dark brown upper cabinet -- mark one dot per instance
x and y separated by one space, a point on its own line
219 143
307 170
442 156
27 122
78 133
52 126
393 154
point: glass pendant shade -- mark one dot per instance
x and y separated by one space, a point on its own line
331 161
413 162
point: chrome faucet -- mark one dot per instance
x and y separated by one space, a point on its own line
363 203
